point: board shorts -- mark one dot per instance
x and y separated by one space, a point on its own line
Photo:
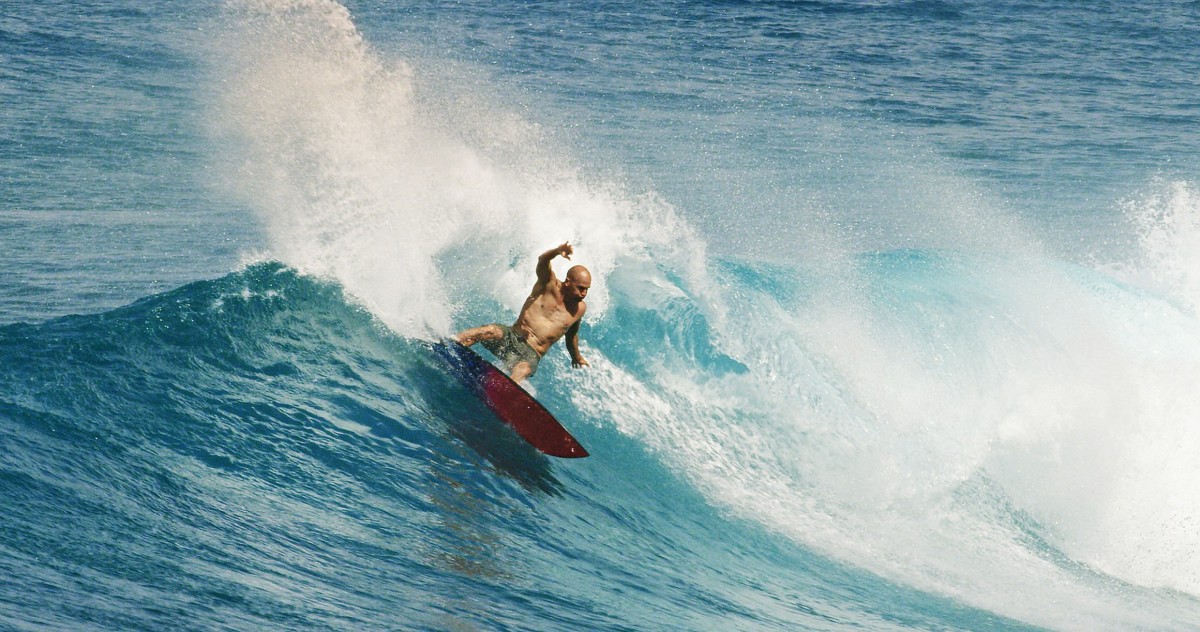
511 348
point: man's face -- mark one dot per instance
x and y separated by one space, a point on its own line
576 289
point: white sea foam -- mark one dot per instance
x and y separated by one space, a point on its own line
937 443
1167 221
408 196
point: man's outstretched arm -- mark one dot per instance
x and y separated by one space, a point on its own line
544 273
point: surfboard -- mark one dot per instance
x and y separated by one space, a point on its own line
509 402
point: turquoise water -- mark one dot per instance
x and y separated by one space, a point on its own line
895 321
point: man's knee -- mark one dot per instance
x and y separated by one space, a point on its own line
520 371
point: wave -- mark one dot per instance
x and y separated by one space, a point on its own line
944 425
974 422
211 453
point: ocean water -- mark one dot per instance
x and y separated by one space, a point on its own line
895 322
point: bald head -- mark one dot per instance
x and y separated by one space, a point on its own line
579 274
578 282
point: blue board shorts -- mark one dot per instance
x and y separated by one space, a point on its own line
511 348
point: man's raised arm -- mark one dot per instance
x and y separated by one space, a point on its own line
544 273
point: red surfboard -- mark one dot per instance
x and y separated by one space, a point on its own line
510 403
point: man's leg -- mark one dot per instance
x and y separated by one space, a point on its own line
520 371
469 337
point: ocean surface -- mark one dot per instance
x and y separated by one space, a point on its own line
895 321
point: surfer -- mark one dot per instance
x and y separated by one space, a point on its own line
554 308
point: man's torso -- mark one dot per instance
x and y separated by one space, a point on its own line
545 317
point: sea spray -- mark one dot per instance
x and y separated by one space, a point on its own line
364 173
1167 222
960 423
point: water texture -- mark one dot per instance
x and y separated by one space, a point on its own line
895 321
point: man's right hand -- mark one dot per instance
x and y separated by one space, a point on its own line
566 250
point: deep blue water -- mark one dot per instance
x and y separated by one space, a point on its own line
895 322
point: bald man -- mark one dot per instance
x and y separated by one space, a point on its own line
553 308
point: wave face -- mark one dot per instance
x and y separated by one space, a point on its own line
258 450
844 372
254 452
